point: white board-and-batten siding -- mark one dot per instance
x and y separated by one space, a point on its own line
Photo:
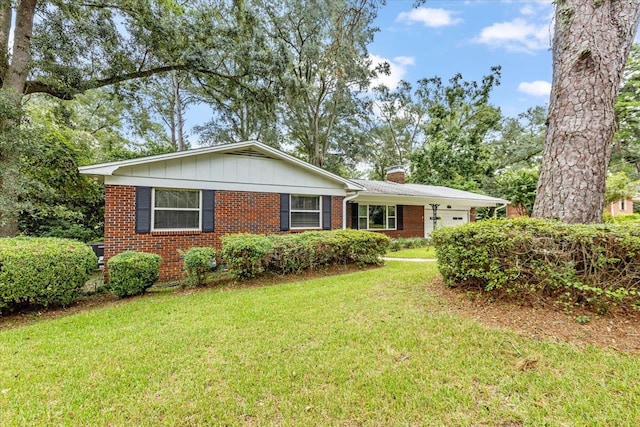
231 172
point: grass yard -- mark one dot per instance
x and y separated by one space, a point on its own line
367 348
427 252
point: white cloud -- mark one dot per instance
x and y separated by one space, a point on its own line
397 66
527 9
429 17
516 36
536 88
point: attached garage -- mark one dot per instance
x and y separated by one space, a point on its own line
445 218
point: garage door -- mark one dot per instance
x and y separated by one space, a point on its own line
446 218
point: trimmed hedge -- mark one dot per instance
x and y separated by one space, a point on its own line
43 271
593 265
409 243
249 255
197 262
132 273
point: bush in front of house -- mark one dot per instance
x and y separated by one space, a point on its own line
358 247
596 266
132 273
197 262
43 271
249 255
409 243
244 253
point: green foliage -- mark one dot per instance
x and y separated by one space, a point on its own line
131 273
591 265
409 243
43 271
519 187
607 217
398 129
626 141
249 255
59 201
244 253
619 187
460 118
326 72
197 262
520 140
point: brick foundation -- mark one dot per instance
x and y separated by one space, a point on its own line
235 212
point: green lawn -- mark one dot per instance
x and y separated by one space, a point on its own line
428 252
366 348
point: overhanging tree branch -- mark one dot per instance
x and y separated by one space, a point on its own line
69 92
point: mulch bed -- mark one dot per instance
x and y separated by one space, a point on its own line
545 321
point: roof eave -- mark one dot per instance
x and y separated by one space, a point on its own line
472 202
108 169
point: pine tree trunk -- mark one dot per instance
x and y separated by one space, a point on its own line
591 43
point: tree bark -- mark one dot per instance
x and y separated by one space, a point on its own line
16 76
5 30
178 112
591 43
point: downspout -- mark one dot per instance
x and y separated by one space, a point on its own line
344 209
495 212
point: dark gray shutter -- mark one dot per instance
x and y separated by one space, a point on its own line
143 209
399 217
326 212
354 216
208 210
284 212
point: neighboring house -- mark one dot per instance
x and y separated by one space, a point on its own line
620 207
175 201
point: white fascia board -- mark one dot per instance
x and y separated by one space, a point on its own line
108 169
221 185
421 200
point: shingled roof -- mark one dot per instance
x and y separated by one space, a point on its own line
389 188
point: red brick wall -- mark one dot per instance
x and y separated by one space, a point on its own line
615 208
413 222
235 212
516 211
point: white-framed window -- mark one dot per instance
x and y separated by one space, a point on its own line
305 211
376 217
176 209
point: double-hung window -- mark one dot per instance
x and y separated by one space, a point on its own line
305 211
176 209
376 217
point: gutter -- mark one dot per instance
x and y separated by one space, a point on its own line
344 209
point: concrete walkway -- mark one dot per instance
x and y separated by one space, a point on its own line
410 259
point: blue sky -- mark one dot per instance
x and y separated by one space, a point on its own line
444 37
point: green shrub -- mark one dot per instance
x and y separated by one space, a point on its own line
131 273
358 247
591 265
249 255
197 262
409 243
244 253
607 217
43 271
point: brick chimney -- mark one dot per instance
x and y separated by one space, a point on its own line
396 174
